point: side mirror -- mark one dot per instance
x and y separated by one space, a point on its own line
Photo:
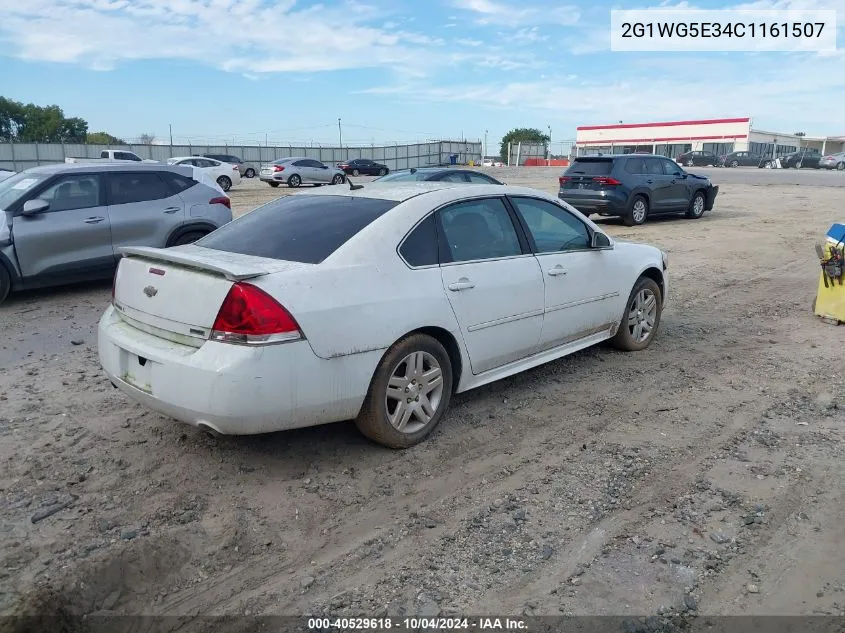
600 240
34 207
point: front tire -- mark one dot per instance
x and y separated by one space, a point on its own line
690 163
225 183
355 172
840 166
696 206
250 173
294 181
638 212
734 163
382 172
642 317
273 184
5 283
409 393
337 179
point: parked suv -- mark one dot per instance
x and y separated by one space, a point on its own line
806 157
247 169
698 159
64 223
635 187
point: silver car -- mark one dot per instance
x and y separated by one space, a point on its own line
833 161
297 171
64 223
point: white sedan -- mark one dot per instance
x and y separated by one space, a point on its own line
375 303
224 174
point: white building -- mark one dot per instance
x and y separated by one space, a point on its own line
672 138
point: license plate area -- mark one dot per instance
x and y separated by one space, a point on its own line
136 371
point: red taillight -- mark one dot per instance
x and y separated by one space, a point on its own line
278 167
222 200
828 158
235 168
564 179
606 180
249 316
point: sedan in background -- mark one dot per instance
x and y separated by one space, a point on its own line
294 172
635 187
224 174
363 166
65 223
740 159
439 174
698 159
803 158
833 161
247 170
375 304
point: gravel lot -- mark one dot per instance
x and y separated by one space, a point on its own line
703 475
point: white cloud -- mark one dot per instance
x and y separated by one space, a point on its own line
244 36
528 35
517 14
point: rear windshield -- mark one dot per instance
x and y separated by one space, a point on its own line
404 176
298 228
591 166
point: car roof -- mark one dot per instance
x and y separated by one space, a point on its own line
613 156
58 168
401 191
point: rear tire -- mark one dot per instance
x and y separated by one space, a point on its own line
355 172
414 371
250 173
273 184
690 163
840 166
382 172
294 181
641 318
5 283
734 163
225 183
638 213
189 238
696 206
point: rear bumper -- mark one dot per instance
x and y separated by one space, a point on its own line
595 204
232 389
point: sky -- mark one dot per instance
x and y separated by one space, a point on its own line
285 71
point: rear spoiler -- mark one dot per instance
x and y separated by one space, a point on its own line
233 271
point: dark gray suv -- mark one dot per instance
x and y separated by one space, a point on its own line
635 187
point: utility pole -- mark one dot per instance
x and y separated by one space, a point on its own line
339 133
485 144
171 134
549 151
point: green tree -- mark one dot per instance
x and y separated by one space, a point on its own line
103 138
30 123
524 135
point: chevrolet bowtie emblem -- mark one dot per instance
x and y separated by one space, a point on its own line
150 291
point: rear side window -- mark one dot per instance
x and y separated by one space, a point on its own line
592 167
177 182
298 228
420 247
136 186
635 166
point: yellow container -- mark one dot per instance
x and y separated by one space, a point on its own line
830 300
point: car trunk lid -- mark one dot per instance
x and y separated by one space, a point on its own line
176 293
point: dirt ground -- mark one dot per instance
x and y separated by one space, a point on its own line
703 475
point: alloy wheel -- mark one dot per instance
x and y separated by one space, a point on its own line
642 315
414 392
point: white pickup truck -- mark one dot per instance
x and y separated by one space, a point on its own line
118 155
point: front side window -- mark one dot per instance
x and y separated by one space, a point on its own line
479 229
671 169
136 186
553 228
73 192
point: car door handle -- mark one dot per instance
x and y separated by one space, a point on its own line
650 181
557 270
462 284
94 220
171 209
